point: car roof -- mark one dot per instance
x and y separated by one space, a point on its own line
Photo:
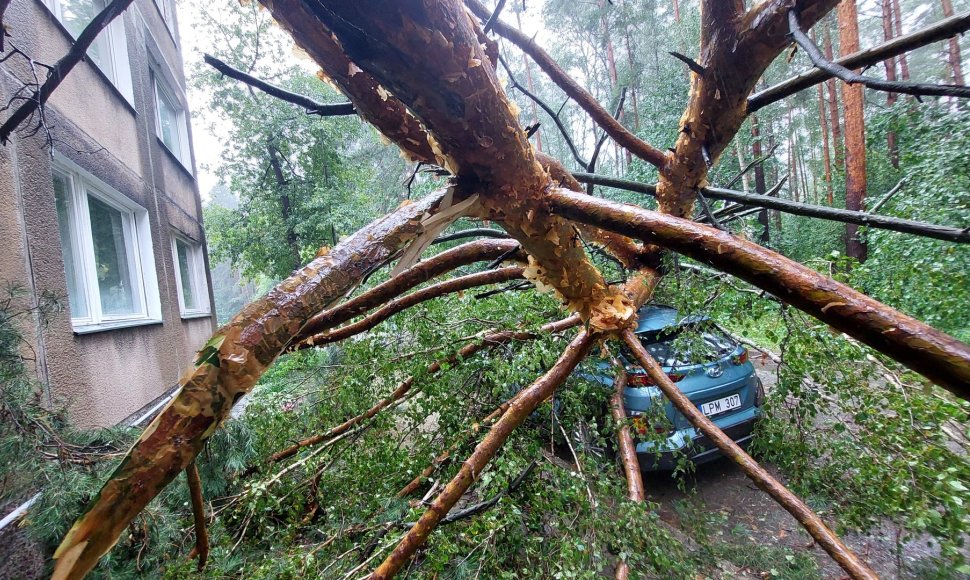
654 317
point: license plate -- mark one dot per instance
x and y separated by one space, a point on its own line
721 405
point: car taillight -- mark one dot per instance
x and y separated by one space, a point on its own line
741 358
641 427
644 380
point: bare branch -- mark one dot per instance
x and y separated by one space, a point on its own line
471 233
937 356
946 233
418 274
554 114
600 116
494 17
400 304
851 77
63 66
941 30
310 106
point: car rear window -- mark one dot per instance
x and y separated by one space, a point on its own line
685 346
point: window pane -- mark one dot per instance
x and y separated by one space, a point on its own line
168 120
75 16
65 207
113 260
185 275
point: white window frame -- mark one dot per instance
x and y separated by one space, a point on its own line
161 88
118 67
198 280
167 9
81 186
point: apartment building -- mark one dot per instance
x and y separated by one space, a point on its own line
100 207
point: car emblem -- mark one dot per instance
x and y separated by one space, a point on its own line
715 371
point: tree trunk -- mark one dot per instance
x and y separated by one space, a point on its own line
956 63
890 63
837 145
855 132
826 154
759 178
898 21
286 209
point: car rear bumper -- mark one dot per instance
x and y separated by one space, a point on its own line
700 448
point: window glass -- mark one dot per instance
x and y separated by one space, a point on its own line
75 16
113 262
169 118
186 278
65 209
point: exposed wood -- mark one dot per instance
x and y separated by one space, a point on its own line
739 46
476 134
947 233
825 537
310 106
62 67
225 370
941 30
937 356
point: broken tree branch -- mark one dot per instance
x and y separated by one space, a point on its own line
526 402
471 233
310 106
418 274
850 77
937 356
201 549
627 450
403 303
941 30
62 67
227 367
553 114
488 340
947 233
831 543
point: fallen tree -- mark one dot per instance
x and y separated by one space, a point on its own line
425 75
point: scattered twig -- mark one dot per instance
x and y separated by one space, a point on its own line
752 165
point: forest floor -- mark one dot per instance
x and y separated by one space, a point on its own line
744 515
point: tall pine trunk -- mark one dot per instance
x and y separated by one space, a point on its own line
855 132
898 21
953 46
759 178
837 145
887 32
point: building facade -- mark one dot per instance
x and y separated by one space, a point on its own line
99 206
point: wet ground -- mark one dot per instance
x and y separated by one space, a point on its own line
744 514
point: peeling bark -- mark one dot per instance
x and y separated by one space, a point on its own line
855 133
226 368
937 356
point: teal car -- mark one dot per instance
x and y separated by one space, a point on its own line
710 367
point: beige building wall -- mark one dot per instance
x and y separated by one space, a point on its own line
102 377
